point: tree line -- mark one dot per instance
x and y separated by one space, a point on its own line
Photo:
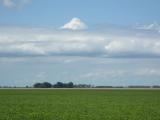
72 85
57 85
60 85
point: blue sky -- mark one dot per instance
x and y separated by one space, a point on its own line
101 42
56 12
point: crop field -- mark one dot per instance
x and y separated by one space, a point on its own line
76 104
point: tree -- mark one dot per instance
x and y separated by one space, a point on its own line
46 85
37 85
42 85
63 85
58 85
70 85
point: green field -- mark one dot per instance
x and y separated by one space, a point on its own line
19 104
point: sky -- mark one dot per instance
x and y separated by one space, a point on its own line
101 42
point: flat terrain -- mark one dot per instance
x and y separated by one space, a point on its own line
91 104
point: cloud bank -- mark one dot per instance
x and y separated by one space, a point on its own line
28 41
151 27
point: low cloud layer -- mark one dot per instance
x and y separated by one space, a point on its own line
150 27
115 42
121 73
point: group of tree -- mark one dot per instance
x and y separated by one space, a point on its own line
60 85
57 85
63 85
83 86
42 85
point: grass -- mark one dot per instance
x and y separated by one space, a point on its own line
79 104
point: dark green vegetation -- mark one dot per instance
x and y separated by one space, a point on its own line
79 104
57 85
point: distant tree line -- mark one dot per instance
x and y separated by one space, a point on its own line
72 85
132 86
57 85
60 85
42 85
63 85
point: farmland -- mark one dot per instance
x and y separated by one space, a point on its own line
79 104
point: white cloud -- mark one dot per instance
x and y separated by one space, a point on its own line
148 72
14 3
75 24
8 3
121 73
105 73
21 41
134 47
153 26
